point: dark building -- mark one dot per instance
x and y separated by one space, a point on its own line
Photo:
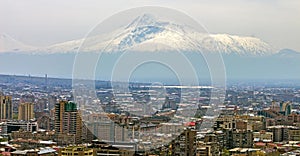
9 127
5 107
185 143
67 119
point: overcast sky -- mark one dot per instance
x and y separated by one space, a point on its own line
44 22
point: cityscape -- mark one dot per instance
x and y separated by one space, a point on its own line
149 78
39 117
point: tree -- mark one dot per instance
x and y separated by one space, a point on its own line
260 153
225 152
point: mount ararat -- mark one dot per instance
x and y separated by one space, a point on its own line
244 57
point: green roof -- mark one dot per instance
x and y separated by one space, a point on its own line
70 106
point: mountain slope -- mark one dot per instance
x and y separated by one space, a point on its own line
241 45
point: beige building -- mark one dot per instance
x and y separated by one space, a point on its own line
75 150
207 149
26 111
227 122
203 151
294 134
263 136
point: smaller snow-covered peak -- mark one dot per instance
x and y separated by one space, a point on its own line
9 44
287 53
3 36
65 47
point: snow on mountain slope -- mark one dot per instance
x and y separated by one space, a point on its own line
69 46
8 44
146 33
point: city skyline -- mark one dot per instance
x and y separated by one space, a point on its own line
149 78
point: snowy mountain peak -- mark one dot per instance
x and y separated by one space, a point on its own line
142 30
146 33
143 20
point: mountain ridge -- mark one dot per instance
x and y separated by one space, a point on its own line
146 33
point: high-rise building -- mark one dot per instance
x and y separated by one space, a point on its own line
280 132
67 119
286 108
5 107
238 138
185 143
26 111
